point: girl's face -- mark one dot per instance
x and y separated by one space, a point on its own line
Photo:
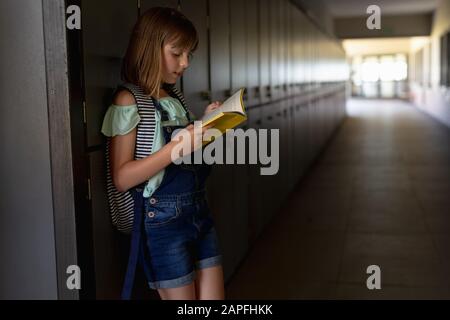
174 62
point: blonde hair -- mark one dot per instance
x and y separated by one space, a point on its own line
142 64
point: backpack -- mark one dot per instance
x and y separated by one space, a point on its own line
121 204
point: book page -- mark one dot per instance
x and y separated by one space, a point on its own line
232 104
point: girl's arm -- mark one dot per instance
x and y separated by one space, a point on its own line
127 172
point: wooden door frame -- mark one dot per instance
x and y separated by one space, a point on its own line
71 206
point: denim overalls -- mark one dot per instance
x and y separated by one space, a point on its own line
173 230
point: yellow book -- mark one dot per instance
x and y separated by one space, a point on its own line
228 116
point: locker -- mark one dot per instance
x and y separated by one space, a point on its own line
195 80
252 45
312 129
220 197
147 4
222 175
238 46
264 51
286 141
299 49
302 133
239 216
270 192
255 190
290 42
110 250
292 179
308 53
281 124
295 142
287 124
275 44
219 49
106 29
282 48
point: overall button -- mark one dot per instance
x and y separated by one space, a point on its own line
151 214
169 129
152 200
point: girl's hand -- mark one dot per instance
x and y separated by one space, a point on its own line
212 107
189 139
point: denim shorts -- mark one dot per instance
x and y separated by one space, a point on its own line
180 238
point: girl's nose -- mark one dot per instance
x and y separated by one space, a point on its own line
184 61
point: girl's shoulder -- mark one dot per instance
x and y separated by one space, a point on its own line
122 116
123 97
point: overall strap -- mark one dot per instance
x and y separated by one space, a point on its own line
175 93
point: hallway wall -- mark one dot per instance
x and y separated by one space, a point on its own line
429 96
27 248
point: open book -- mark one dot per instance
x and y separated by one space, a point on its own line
229 115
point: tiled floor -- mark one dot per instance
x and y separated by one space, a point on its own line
378 195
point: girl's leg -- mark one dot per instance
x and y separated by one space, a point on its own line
182 293
209 284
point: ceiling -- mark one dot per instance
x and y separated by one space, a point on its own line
355 47
351 8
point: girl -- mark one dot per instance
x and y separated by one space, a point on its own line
178 248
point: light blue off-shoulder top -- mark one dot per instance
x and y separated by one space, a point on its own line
121 120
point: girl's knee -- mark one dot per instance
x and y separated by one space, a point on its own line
182 293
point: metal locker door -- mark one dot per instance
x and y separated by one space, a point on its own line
302 145
219 49
285 138
296 143
252 45
299 48
315 125
308 57
278 123
270 192
311 129
238 46
147 4
275 43
222 175
279 178
220 197
290 42
282 48
308 121
255 205
195 82
304 153
239 215
264 50
290 119
106 30
110 261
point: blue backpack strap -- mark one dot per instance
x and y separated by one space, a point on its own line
136 236
144 141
